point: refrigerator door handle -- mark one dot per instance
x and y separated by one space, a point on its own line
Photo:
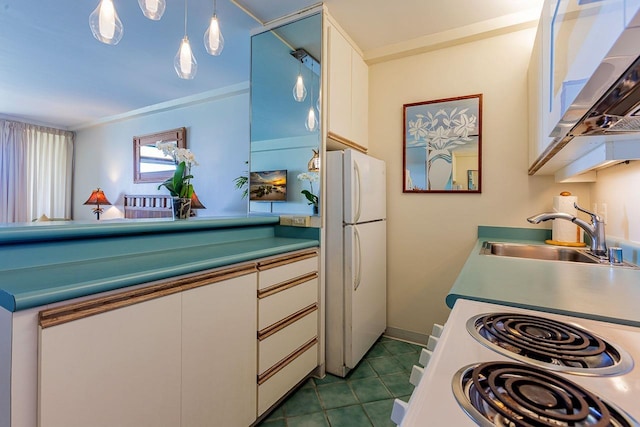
358 277
358 194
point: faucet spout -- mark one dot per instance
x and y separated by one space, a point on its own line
595 229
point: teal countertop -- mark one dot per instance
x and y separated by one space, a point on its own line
597 292
43 265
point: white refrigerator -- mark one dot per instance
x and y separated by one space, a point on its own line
355 266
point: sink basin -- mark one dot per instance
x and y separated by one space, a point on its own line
551 253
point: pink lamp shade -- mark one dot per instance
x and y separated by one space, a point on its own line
97 198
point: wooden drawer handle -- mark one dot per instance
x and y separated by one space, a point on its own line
278 326
290 259
263 293
287 360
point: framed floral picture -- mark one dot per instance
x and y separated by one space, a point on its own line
442 144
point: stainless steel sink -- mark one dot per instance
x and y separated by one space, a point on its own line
549 253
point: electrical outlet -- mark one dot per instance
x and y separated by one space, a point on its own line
300 221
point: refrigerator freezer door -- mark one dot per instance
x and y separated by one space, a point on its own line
365 288
364 188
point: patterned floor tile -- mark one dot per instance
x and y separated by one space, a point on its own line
378 350
369 389
336 395
304 401
380 412
399 347
319 419
350 416
385 365
398 384
363 370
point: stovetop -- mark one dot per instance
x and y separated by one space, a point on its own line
597 362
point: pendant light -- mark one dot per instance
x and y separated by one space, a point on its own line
311 123
105 24
213 40
299 91
185 63
152 9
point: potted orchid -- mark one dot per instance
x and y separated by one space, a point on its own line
312 199
179 185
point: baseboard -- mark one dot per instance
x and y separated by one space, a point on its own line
409 336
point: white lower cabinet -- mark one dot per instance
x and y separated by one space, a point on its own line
218 349
117 368
193 351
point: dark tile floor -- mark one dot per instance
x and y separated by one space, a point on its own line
364 398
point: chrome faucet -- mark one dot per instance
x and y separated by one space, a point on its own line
595 230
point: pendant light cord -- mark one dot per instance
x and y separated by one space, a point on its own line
185 18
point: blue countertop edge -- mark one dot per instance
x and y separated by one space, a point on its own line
15 301
620 279
34 232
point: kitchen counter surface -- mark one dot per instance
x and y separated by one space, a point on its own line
597 292
40 266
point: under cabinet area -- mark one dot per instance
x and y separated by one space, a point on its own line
221 346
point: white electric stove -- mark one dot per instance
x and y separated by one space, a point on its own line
496 365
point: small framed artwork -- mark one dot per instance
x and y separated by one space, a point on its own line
442 146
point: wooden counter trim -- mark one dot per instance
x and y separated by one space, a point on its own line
288 259
347 142
263 293
80 310
278 326
287 360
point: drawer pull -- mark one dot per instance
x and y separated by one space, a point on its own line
277 262
278 326
263 293
287 360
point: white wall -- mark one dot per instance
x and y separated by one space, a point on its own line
217 133
430 235
617 187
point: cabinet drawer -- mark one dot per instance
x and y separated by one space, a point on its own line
277 385
278 345
283 269
281 304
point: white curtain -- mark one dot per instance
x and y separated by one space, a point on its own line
36 166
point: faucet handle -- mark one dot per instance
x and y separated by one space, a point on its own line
594 217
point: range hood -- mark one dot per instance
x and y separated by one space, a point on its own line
608 106
618 111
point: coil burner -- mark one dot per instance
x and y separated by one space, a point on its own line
518 395
549 343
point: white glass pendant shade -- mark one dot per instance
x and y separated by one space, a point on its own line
213 40
185 63
152 9
105 24
312 121
299 91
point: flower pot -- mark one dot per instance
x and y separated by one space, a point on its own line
181 208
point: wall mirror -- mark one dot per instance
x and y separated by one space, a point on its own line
442 146
149 163
283 137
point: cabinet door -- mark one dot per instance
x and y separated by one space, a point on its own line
219 353
118 368
339 82
360 100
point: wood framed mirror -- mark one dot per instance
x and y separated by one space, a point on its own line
149 163
442 146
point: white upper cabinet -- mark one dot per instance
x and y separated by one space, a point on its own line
579 52
347 91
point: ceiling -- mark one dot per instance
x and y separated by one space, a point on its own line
52 70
